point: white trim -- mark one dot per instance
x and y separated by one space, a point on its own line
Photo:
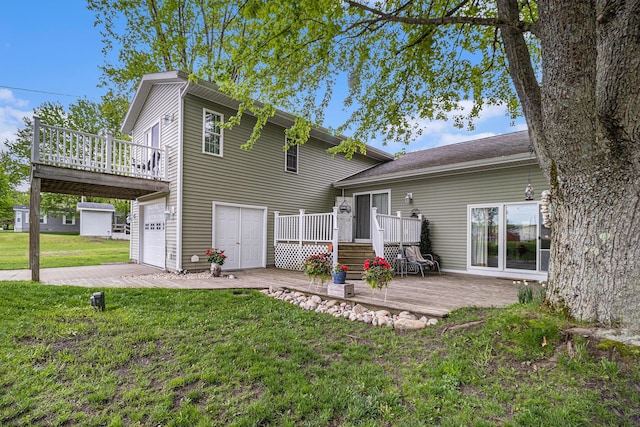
204 130
43 218
181 94
64 220
264 209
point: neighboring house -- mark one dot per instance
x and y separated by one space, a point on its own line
97 219
221 195
62 222
249 202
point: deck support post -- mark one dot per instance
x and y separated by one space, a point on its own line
34 228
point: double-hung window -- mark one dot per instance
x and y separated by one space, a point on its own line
212 134
291 159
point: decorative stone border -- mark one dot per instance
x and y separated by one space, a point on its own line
382 318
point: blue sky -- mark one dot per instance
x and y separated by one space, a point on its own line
52 46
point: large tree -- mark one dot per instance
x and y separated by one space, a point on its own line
572 68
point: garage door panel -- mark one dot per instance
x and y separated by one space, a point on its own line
153 234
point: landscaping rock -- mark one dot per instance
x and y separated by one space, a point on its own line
360 309
408 324
406 315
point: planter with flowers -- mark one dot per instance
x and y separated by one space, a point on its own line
340 274
317 267
339 288
377 273
216 258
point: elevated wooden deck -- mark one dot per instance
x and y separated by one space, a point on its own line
72 162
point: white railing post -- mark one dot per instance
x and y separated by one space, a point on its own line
276 228
109 152
400 228
35 147
301 228
165 173
377 234
335 236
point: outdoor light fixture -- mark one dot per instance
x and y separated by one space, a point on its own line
168 213
528 192
408 198
167 118
344 207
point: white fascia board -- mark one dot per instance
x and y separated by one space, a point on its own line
471 166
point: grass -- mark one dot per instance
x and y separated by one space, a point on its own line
60 250
189 358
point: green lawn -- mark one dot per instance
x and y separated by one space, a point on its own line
60 250
203 358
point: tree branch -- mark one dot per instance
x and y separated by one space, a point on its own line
445 20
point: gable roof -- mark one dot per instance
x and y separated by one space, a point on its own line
209 91
501 150
91 206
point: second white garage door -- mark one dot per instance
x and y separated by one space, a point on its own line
241 232
153 242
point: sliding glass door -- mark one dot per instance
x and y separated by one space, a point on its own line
522 236
485 236
363 203
507 237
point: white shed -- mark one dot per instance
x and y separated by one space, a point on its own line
96 219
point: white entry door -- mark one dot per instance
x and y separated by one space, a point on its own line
240 231
153 241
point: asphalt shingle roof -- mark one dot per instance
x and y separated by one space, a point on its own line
479 149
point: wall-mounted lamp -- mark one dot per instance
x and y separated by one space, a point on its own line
167 118
408 198
528 192
169 212
344 207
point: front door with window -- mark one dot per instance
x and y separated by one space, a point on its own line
363 204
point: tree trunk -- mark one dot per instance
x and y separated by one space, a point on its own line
587 138
589 141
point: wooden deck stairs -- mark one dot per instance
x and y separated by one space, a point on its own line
353 255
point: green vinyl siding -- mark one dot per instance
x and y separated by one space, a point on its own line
255 178
163 100
443 200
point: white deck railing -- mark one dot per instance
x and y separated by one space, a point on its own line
73 149
397 229
322 228
304 227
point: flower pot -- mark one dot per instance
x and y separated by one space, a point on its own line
216 269
339 277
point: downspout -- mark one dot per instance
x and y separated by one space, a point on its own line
181 94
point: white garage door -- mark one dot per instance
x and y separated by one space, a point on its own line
240 231
153 250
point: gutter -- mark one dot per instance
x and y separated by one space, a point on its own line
181 94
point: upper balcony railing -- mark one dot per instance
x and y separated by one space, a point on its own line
73 149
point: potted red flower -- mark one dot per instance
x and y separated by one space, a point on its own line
340 274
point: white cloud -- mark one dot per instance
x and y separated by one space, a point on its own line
493 120
11 114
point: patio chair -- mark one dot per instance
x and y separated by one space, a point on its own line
416 258
412 266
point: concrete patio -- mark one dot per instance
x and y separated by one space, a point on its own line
433 295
